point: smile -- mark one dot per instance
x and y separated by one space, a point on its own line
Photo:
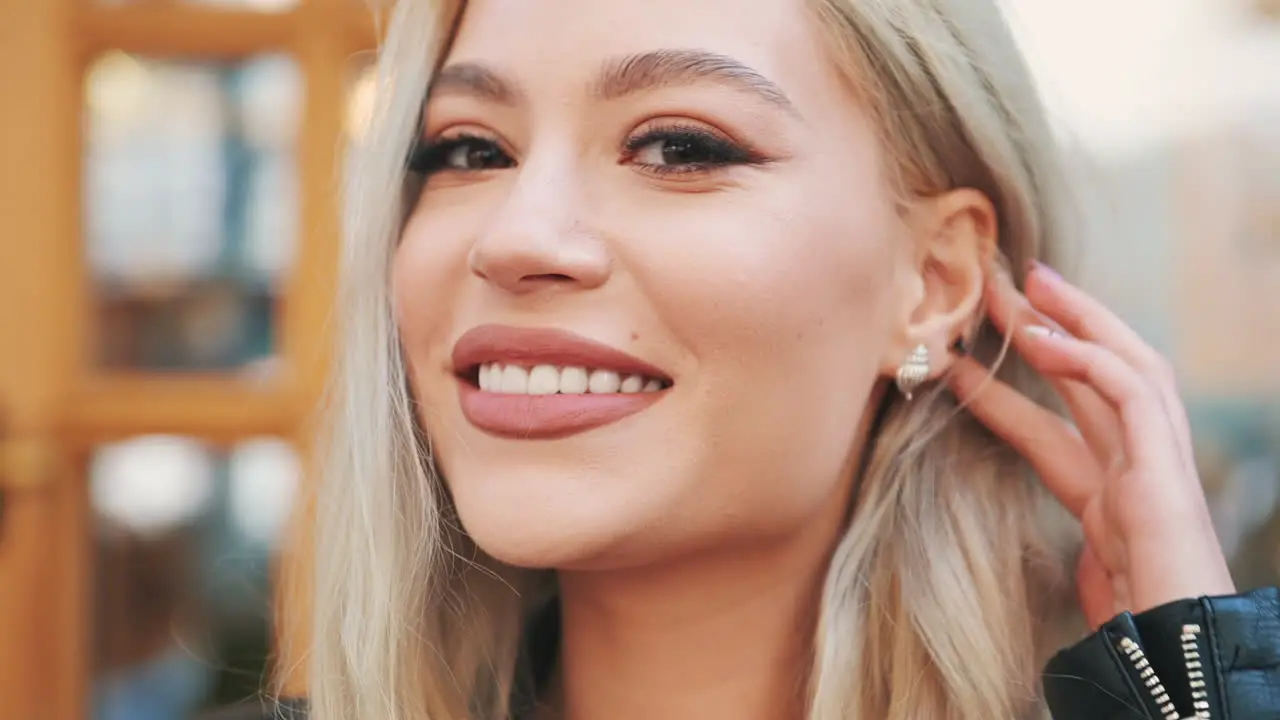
564 380
529 383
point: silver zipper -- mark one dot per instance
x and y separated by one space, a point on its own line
1195 674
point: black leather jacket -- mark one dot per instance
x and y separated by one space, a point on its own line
1216 658
1213 658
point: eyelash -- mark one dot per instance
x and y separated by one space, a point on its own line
431 157
428 158
722 151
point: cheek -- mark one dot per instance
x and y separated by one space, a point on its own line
774 281
426 270
782 301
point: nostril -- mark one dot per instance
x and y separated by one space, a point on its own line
549 277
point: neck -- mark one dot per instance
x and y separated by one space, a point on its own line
716 637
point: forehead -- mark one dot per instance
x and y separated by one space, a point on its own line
551 41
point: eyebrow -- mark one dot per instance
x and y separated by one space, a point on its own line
620 77
470 79
669 68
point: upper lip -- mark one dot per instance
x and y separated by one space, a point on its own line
543 346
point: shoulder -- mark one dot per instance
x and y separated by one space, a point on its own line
264 709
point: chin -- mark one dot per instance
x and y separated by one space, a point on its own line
546 543
531 519
597 499
545 550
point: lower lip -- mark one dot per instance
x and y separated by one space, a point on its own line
543 417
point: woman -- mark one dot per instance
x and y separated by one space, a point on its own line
666 388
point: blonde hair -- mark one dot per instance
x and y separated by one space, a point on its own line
932 604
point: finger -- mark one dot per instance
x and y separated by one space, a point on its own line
1008 308
1043 438
1093 585
1147 432
1083 316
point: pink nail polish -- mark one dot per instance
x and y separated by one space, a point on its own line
1037 266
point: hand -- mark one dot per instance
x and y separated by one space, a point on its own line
1125 468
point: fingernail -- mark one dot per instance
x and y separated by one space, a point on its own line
1037 266
1040 331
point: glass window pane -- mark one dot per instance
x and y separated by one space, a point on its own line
191 208
184 537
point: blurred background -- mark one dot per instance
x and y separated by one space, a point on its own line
169 178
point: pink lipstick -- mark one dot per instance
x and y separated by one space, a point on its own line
532 383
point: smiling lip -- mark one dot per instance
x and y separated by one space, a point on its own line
535 417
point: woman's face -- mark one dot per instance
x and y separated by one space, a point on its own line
652 281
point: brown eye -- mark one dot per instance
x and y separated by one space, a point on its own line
681 149
674 151
463 153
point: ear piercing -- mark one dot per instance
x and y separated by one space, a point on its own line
913 372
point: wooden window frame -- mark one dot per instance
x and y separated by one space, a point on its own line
57 404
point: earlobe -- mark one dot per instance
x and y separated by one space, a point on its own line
954 235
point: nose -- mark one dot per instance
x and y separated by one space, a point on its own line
539 240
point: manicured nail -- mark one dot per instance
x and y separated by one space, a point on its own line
1040 331
1037 266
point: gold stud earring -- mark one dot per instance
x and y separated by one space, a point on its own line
913 372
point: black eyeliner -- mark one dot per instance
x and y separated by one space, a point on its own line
416 160
692 134
426 156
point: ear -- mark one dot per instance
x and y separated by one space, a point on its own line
940 288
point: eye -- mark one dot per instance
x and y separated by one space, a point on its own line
682 149
460 153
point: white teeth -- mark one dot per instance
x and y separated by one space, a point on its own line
544 380
550 380
573 381
486 377
515 380
603 381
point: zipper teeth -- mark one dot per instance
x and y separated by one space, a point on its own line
1148 676
1195 671
1195 674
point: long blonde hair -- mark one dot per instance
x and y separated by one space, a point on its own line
933 601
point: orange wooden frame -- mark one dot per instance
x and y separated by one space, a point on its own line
54 404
